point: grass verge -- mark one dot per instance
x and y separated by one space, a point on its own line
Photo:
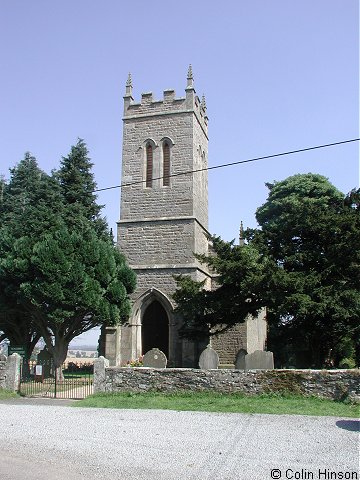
228 403
5 394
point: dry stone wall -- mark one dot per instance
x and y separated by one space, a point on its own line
332 384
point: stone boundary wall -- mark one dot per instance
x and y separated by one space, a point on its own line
332 384
2 371
10 372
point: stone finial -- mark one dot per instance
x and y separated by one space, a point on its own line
190 77
241 235
190 73
203 103
129 85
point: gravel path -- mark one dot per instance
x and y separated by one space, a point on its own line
55 442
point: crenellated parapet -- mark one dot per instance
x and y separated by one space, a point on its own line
169 105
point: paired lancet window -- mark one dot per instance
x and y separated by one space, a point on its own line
166 164
152 166
149 165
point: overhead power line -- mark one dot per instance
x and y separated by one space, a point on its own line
223 165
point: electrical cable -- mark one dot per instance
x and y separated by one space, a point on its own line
256 159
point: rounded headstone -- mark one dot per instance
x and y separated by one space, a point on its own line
209 359
155 358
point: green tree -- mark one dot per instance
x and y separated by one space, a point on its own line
77 188
24 214
238 276
78 282
303 265
63 269
310 230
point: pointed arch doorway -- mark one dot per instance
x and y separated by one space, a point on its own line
155 328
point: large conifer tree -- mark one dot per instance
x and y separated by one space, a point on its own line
25 214
62 269
78 189
311 231
303 265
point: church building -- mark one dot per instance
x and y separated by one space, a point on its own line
163 221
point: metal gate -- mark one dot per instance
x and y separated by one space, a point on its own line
39 380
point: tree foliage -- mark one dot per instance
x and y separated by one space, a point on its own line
24 214
311 231
238 274
77 186
303 264
59 269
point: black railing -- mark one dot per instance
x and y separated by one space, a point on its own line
74 381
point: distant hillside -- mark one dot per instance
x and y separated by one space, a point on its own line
85 348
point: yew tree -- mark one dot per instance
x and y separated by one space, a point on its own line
24 216
62 269
303 264
238 275
311 231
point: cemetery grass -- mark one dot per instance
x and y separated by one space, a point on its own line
5 394
280 404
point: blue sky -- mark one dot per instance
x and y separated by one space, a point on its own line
278 75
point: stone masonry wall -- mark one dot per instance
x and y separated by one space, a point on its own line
2 371
163 279
158 201
161 226
10 372
227 344
200 178
169 105
250 336
332 384
166 242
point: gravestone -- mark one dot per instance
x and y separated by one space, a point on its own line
209 359
240 359
45 359
155 358
259 360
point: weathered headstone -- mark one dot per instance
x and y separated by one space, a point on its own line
12 375
155 358
209 359
44 359
100 365
259 360
240 359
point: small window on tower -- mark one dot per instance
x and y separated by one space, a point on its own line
166 164
149 165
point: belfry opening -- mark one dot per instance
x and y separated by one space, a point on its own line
155 328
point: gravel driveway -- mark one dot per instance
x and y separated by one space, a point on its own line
59 442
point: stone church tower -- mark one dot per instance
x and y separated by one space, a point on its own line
163 218
163 221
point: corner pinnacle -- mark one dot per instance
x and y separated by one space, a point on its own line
203 102
190 77
241 235
190 73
